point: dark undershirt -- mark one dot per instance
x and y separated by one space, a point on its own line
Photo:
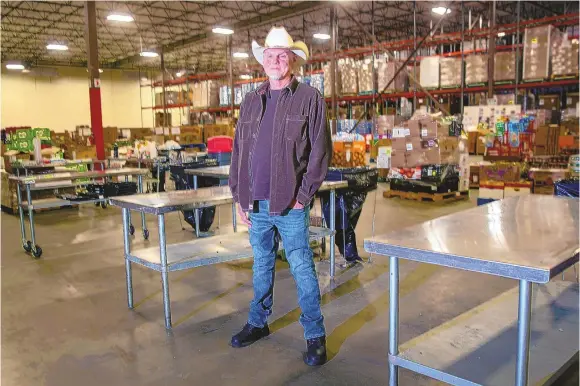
262 157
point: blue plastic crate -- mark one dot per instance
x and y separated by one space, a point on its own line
483 201
223 159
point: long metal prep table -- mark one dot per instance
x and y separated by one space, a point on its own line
527 238
191 254
223 172
59 181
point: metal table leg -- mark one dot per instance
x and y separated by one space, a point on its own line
164 272
196 211
393 318
333 229
25 244
36 250
234 217
127 242
143 222
323 246
524 316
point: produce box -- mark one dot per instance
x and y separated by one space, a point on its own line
429 76
42 133
348 154
564 55
519 188
405 173
22 135
491 190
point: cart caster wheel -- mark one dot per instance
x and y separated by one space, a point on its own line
131 229
146 234
37 252
28 246
104 205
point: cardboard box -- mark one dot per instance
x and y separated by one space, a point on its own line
479 147
399 144
564 54
472 142
544 190
493 190
110 135
549 102
499 172
513 189
376 144
85 152
474 175
398 159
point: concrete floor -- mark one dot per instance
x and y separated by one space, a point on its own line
65 320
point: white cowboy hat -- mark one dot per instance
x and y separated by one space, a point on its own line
279 38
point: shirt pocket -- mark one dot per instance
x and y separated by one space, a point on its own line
296 128
245 129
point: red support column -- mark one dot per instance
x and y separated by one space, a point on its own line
94 77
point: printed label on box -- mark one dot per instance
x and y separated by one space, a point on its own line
409 146
407 132
423 132
541 102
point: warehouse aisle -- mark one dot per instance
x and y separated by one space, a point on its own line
65 320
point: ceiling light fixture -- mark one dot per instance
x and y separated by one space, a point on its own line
222 30
57 47
25 71
245 77
121 18
321 36
500 34
440 10
241 55
149 54
15 66
178 74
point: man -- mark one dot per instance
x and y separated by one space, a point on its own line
282 149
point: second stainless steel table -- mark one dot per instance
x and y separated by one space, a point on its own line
527 238
56 181
223 172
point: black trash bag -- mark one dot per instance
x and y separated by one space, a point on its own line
348 207
206 217
567 188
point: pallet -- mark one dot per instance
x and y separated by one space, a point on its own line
480 84
473 186
450 87
537 80
502 82
427 197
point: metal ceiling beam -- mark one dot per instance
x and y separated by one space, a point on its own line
299 8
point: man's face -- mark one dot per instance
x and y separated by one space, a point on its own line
278 62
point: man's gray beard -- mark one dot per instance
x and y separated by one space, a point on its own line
274 76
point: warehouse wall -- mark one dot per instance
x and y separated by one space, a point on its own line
62 102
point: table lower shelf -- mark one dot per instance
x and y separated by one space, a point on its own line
480 345
57 202
206 251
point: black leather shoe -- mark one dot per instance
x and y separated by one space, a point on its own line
316 354
249 335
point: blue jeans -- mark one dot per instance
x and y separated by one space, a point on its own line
292 225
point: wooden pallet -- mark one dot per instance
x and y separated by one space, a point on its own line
565 76
428 197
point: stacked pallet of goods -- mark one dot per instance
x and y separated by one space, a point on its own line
428 160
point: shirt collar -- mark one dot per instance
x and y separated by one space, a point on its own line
265 87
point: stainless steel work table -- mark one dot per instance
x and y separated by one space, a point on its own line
191 254
528 238
223 172
59 181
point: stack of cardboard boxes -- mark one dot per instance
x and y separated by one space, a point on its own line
564 55
537 47
504 67
450 72
476 69
424 148
429 72
386 71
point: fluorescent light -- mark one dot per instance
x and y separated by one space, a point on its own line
57 47
121 18
178 74
500 34
246 77
241 55
25 71
15 66
149 54
222 31
321 36
440 10
100 71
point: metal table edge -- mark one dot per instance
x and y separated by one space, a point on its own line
145 263
511 271
439 375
